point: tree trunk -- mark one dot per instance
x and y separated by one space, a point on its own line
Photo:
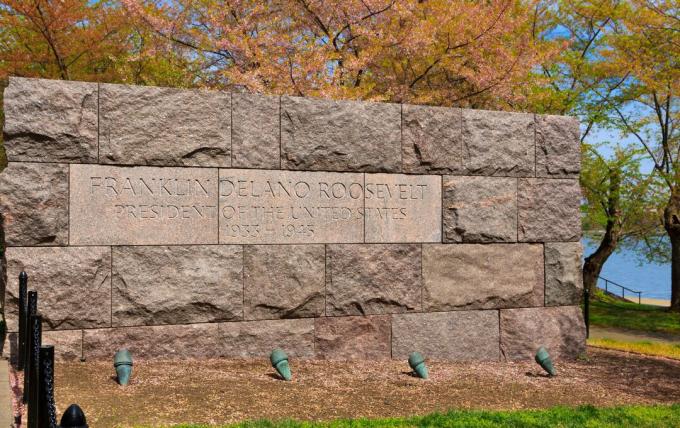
592 266
671 220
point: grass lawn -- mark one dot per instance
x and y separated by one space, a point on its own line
648 348
608 312
585 416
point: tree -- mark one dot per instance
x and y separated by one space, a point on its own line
621 205
646 47
430 52
89 40
617 196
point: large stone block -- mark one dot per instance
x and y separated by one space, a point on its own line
257 339
160 342
34 203
68 344
403 208
465 335
290 207
548 210
367 279
50 121
73 285
352 338
340 135
563 275
480 209
164 126
431 139
498 143
284 281
558 147
113 205
177 284
477 276
256 132
560 329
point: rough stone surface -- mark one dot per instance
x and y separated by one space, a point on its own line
256 131
160 342
498 143
558 148
431 139
548 210
403 208
73 285
563 275
560 329
290 207
68 344
351 338
113 205
340 135
142 125
480 209
177 284
284 281
477 276
369 279
257 339
34 203
50 121
465 335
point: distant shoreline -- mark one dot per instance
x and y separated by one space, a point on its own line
655 302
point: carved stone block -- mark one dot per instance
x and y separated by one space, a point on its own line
498 143
177 284
548 210
464 335
340 135
480 209
34 203
50 121
113 205
73 285
144 125
403 208
367 279
284 281
560 329
352 338
476 276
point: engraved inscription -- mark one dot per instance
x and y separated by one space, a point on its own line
112 205
403 208
321 207
142 205
290 207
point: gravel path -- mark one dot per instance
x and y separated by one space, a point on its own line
223 391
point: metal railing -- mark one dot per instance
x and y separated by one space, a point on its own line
608 283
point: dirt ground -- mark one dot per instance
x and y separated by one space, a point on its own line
223 391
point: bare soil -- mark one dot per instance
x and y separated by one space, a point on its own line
224 391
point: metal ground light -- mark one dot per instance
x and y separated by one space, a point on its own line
279 361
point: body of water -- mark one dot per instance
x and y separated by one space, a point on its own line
624 268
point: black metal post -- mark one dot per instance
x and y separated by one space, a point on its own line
47 414
36 341
23 304
586 310
31 310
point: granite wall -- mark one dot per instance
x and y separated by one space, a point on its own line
189 223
